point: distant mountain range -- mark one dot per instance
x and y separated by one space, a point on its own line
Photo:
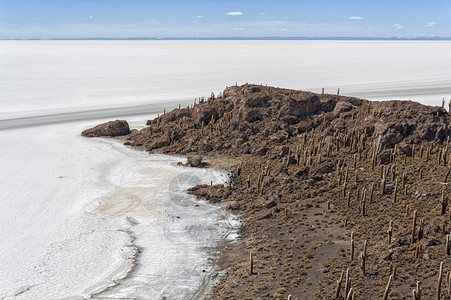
274 38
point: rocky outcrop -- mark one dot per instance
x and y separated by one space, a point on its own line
405 123
214 193
291 151
112 128
302 106
253 118
195 161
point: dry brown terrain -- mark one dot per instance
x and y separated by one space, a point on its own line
310 171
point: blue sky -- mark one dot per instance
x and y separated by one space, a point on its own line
214 18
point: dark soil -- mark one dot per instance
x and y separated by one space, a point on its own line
299 157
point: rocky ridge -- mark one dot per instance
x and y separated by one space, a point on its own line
252 119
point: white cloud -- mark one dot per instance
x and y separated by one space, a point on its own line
234 13
238 28
284 29
355 18
398 26
263 13
199 17
91 17
430 24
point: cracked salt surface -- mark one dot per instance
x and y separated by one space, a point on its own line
78 215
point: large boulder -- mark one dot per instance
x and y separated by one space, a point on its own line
342 106
195 161
112 128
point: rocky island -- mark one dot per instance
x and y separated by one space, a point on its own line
341 198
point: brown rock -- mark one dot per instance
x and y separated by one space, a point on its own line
253 114
212 193
342 106
262 151
269 204
195 161
265 215
300 107
112 128
433 226
384 157
257 101
290 120
204 114
328 104
279 136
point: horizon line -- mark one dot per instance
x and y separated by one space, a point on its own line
339 38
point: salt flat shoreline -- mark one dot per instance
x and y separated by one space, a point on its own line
211 248
291 151
124 271
216 253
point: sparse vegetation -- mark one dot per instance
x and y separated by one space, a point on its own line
295 154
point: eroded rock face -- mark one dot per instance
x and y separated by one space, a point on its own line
407 122
257 101
342 106
112 128
301 107
195 161
204 114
